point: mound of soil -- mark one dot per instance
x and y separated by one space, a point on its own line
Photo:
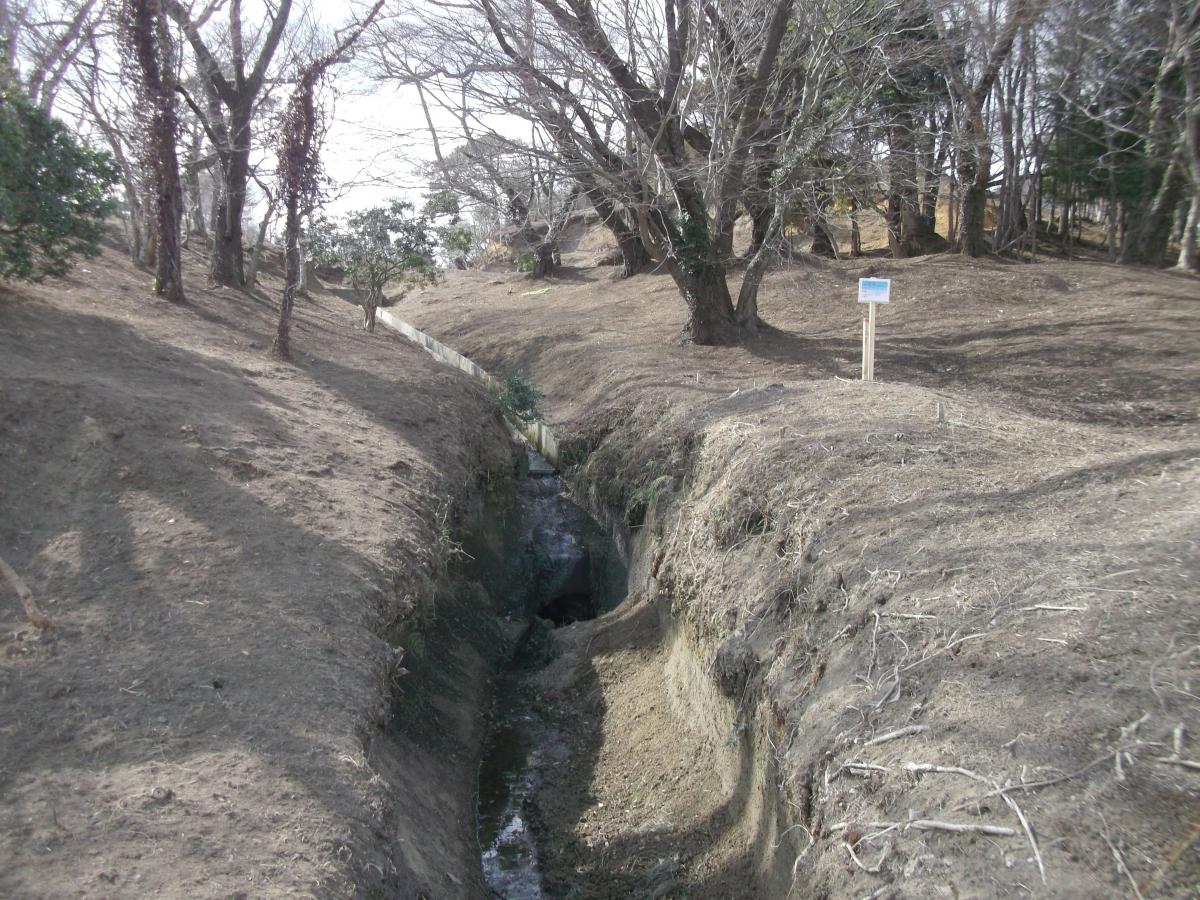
953 614
231 552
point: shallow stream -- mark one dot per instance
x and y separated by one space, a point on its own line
567 570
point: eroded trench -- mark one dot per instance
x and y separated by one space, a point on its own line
556 738
561 568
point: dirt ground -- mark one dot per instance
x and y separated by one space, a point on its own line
231 551
968 642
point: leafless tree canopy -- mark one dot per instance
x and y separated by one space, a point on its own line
1010 126
678 119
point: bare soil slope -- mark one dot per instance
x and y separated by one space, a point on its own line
966 647
230 550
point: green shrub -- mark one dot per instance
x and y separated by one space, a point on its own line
54 193
520 399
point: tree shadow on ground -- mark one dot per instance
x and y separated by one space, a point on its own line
211 618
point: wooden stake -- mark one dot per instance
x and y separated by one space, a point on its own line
866 329
871 291
869 344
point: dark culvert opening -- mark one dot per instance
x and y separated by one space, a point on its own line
567 608
554 565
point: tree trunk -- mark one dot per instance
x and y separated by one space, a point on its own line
169 274
1146 242
711 318
855 232
760 226
933 181
746 312
634 257
972 219
371 308
150 46
306 271
282 346
227 265
1187 242
191 176
822 242
975 172
148 258
256 255
952 201
546 258
903 211
133 220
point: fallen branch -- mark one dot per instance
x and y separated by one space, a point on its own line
1011 803
932 825
1037 853
1176 761
1121 866
939 652
958 828
898 733
1027 786
862 768
25 595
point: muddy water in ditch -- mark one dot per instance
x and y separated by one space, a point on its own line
565 570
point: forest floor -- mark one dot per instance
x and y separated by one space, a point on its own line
964 595
228 549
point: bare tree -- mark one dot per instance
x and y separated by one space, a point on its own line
675 120
149 50
227 111
43 39
958 30
299 165
1186 21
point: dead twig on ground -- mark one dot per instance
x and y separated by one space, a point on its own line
1176 761
1009 801
1121 867
862 768
870 870
961 828
36 617
951 645
898 733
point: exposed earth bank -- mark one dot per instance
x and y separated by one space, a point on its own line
240 559
930 637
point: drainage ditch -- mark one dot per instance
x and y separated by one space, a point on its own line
563 569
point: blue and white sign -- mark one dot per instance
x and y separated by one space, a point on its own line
874 290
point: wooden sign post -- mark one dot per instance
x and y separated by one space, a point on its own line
871 291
